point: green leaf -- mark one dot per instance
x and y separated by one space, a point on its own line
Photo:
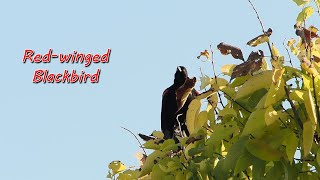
258 81
291 143
255 122
275 173
169 145
263 151
222 131
235 151
255 98
152 159
258 168
308 132
219 172
151 144
202 120
318 156
205 81
243 162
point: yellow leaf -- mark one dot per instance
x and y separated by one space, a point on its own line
206 94
258 81
307 82
308 132
265 65
310 106
116 166
204 53
275 51
270 116
301 2
228 69
192 113
276 92
297 95
304 15
290 44
262 39
313 29
306 65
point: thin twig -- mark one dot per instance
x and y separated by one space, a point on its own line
283 123
261 24
297 118
286 111
316 100
290 60
136 139
215 76
210 130
317 6
257 16
237 103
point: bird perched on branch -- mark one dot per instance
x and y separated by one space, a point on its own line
175 102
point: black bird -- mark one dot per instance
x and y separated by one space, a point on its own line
169 110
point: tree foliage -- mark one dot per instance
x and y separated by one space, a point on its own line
256 122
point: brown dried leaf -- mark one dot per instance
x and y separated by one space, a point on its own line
253 64
226 49
255 55
306 34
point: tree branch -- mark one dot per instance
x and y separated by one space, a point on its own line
136 139
316 100
237 102
261 24
215 76
296 116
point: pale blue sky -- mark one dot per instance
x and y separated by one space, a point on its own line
64 131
